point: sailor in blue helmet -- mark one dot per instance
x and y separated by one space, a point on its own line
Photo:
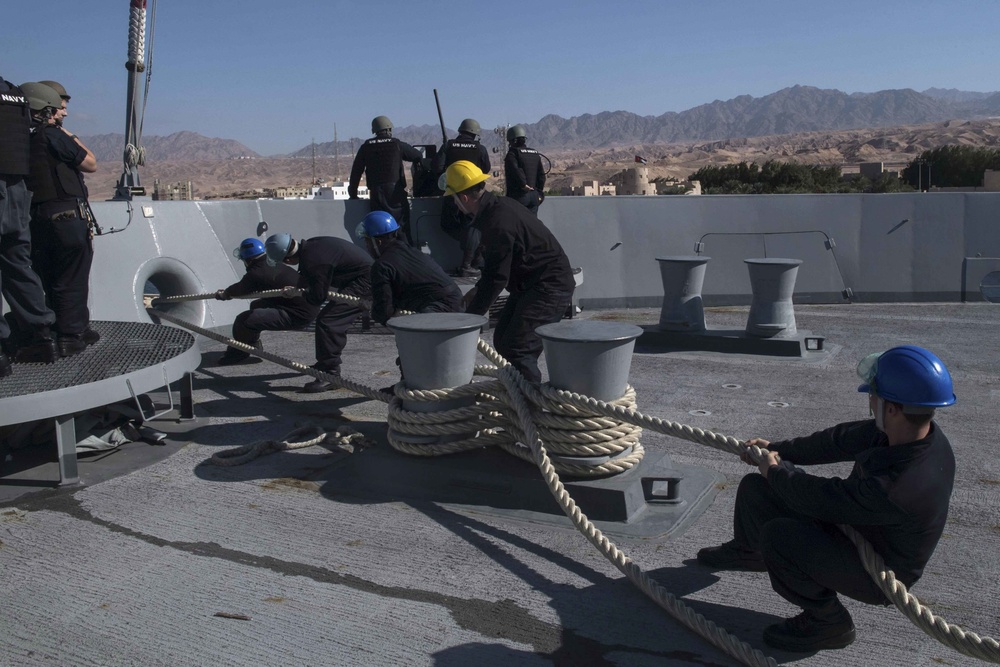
277 313
896 497
326 263
402 277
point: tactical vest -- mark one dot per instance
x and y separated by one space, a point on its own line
51 179
462 149
530 163
15 125
383 161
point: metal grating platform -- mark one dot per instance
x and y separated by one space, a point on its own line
130 358
124 348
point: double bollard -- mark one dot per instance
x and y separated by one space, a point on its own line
438 352
772 282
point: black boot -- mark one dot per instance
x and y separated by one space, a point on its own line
90 336
466 271
70 345
5 366
318 386
41 348
813 630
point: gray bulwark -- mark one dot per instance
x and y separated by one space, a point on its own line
129 359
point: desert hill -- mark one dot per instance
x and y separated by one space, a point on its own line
801 123
895 146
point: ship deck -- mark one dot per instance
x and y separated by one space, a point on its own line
132 566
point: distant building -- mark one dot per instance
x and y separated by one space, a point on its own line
338 190
295 192
871 170
633 181
875 170
592 189
173 191
675 187
335 190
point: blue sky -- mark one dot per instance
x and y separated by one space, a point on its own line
275 74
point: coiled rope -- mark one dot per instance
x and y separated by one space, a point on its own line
344 436
518 392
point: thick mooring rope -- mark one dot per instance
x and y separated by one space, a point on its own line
517 393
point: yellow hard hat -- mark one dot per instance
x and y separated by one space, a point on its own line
462 175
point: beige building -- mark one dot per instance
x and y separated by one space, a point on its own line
678 187
295 192
634 181
172 192
592 189
335 190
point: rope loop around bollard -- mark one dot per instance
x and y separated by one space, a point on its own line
516 393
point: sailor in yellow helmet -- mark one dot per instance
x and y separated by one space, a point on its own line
519 253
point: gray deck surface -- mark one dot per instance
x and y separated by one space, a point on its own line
131 568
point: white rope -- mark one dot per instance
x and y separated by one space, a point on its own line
343 437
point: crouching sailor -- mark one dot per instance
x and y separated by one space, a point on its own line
326 262
896 496
278 313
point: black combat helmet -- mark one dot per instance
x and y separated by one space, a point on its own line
58 87
41 96
469 126
515 133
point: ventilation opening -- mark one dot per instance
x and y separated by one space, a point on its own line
990 287
164 277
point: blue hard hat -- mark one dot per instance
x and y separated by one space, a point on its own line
377 223
249 248
277 248
908 375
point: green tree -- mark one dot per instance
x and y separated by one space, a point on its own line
951 167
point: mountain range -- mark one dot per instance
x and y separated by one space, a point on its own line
790 110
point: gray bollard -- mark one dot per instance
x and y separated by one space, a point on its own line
437 351
772 280
593 359
588 357
683 277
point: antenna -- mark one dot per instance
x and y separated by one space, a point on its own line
336 153
314 160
